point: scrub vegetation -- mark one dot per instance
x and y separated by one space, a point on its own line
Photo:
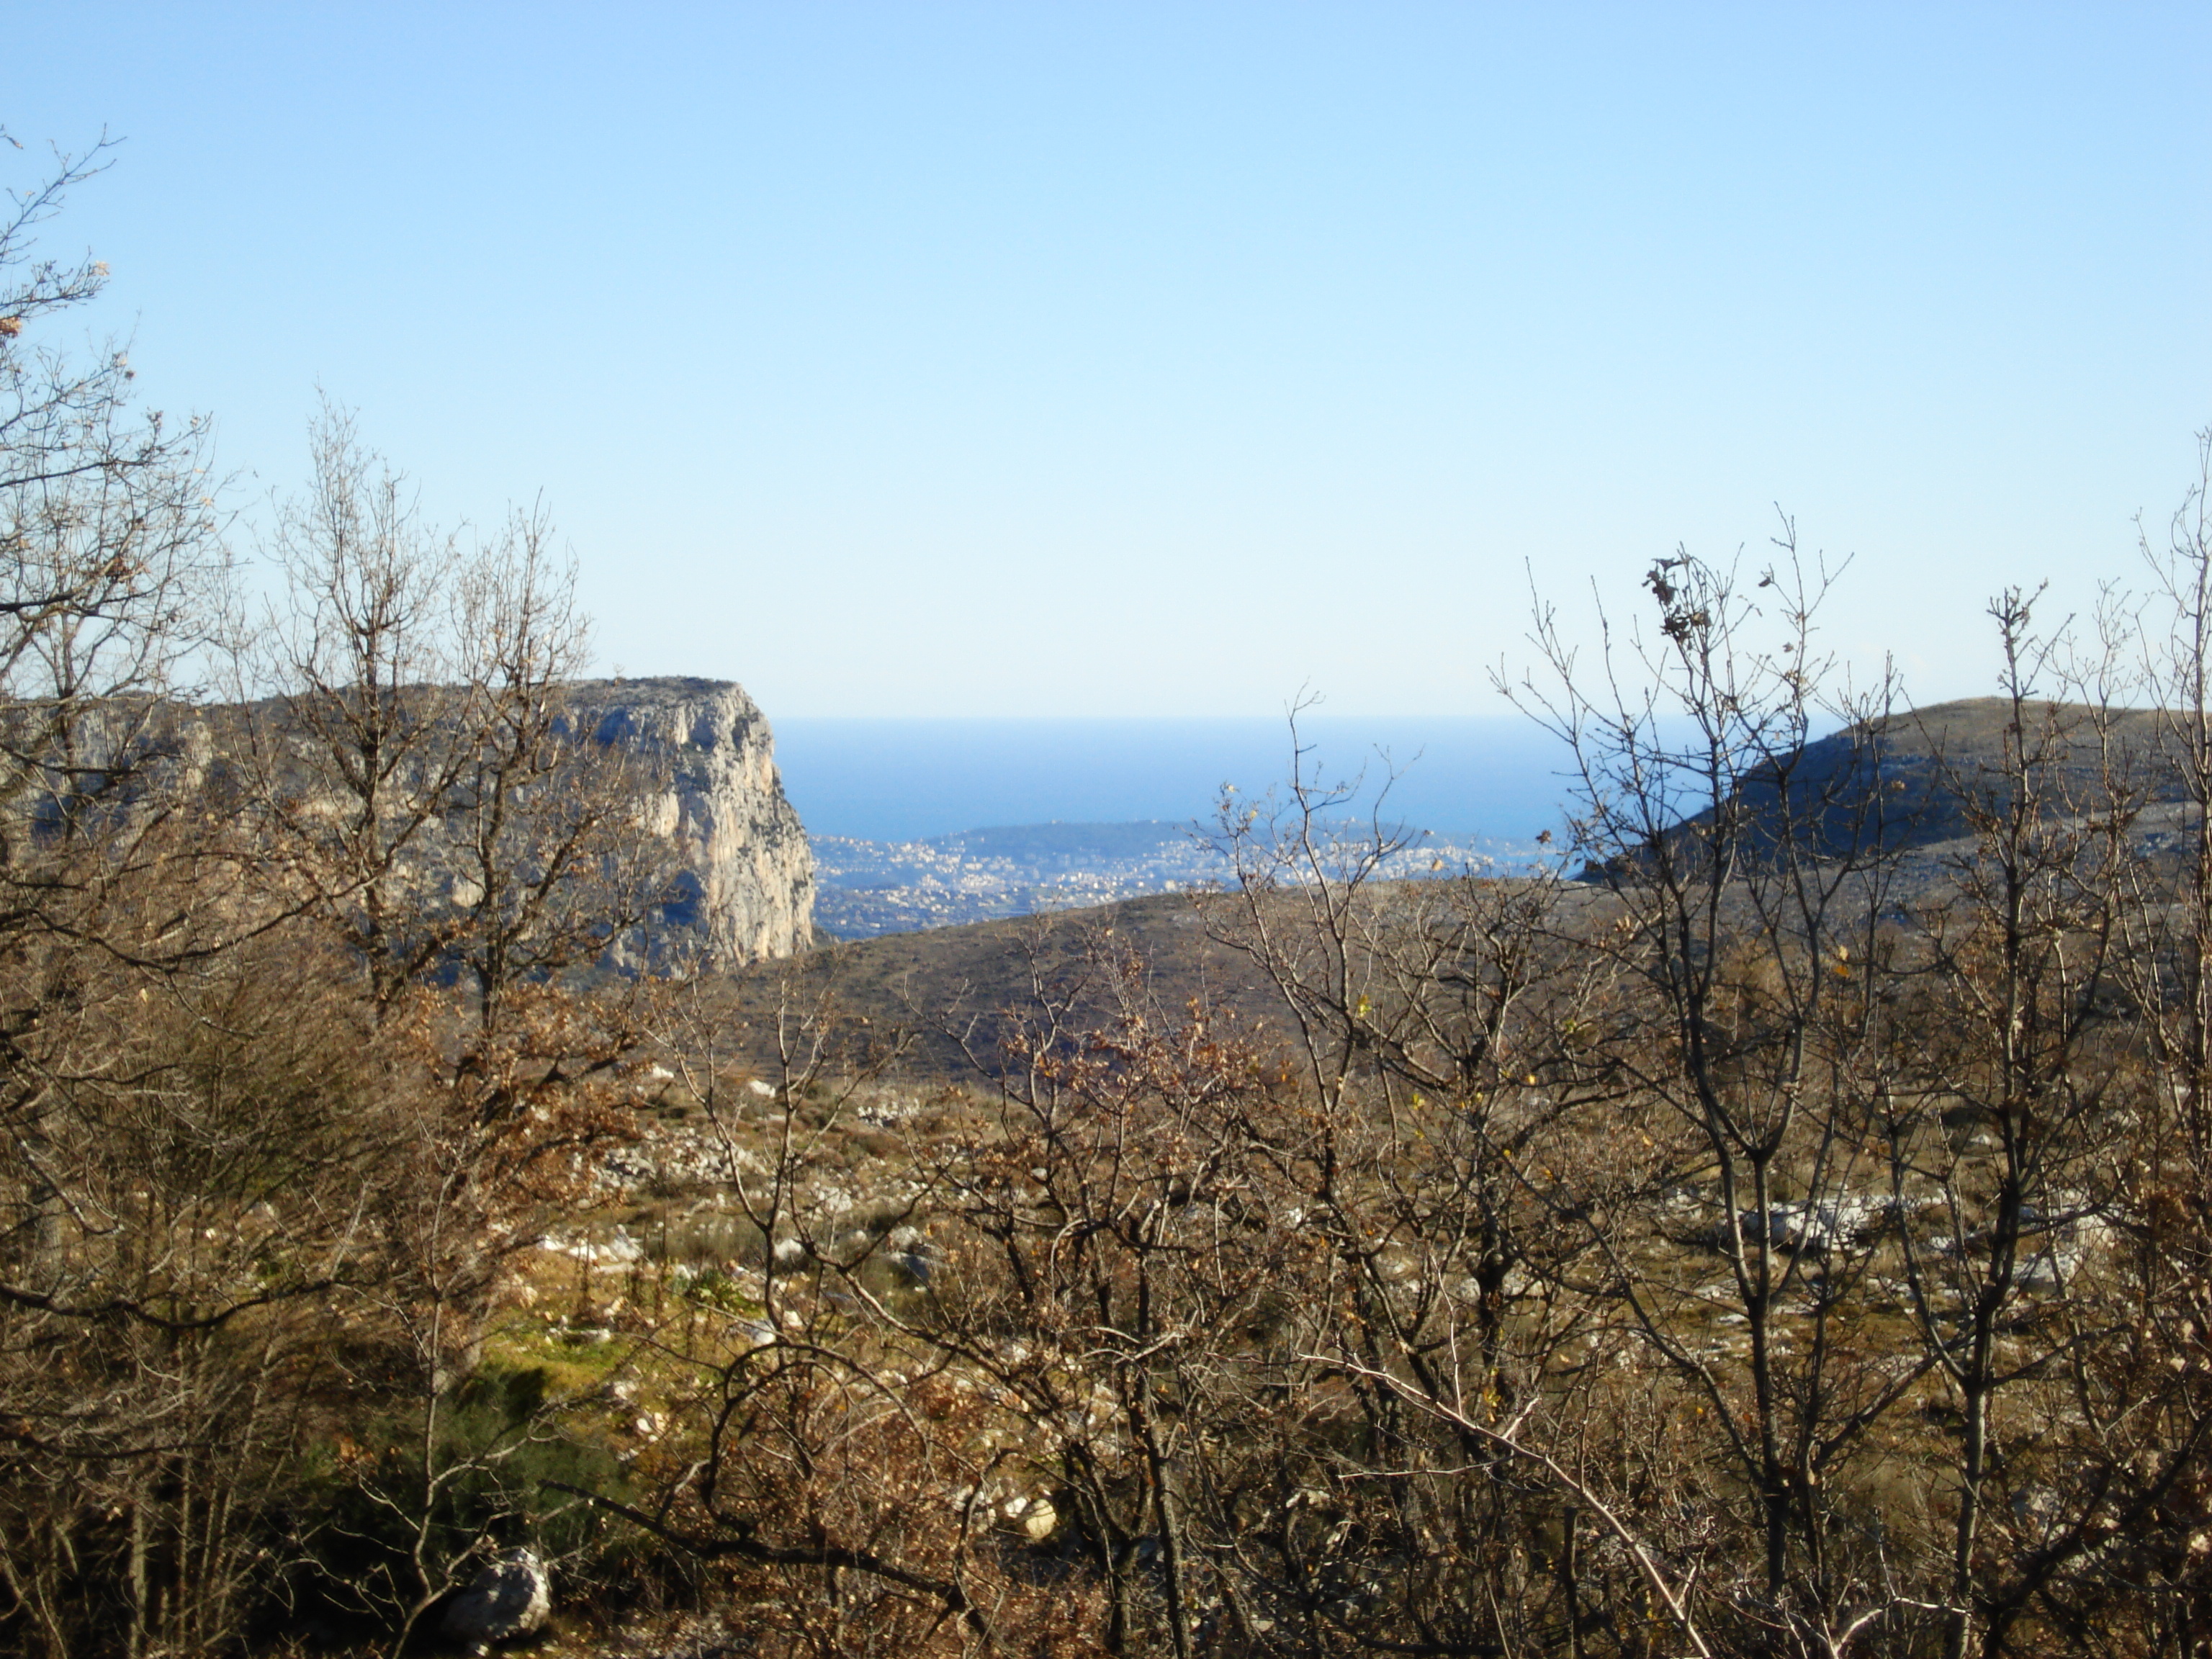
1780 1228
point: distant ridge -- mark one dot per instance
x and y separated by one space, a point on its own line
1906 779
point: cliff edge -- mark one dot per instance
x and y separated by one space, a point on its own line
745 879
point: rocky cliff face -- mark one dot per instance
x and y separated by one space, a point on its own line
736 861
745 874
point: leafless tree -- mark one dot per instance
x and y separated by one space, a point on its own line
416 760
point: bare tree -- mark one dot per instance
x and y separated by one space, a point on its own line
416 763
136 1138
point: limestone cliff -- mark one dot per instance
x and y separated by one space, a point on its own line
736 864
745 872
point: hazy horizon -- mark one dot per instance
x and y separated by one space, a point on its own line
912 778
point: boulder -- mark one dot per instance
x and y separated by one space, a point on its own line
512 1597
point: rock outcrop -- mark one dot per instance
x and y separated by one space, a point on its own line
510 1598
745 874
733 859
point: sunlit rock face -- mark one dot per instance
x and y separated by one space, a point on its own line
729 850
745 875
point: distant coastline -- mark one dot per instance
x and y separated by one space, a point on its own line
867 888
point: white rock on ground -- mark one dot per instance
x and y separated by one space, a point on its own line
512 1597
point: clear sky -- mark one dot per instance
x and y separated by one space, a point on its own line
1132 359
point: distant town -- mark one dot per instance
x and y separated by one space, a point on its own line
867 888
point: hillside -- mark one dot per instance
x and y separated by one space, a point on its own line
1934 760
941 982
949 972
1917 779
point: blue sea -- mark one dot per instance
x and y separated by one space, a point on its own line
903 779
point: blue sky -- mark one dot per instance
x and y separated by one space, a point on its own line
1136 359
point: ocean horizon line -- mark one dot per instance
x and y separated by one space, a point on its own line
913 777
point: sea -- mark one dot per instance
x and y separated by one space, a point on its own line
901 779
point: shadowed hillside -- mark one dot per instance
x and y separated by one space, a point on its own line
943 982
1919 778
1904 782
